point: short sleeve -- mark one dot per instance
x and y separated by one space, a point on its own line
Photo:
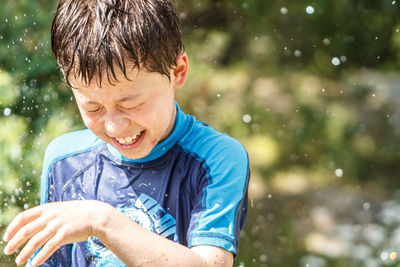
220 207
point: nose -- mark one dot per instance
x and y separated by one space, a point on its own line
115 123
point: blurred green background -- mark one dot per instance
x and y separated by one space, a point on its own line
311 88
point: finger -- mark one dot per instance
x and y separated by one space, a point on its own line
48 249
34 244
20 220
23 234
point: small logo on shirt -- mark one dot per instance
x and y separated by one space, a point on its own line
146 212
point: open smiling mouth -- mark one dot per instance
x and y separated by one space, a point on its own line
130 141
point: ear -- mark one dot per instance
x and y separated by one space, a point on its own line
181 70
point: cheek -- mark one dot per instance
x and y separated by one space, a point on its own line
90 123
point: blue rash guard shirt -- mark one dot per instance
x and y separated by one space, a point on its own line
191 188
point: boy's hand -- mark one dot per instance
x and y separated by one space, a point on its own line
51 226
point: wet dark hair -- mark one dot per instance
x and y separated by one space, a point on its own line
91 38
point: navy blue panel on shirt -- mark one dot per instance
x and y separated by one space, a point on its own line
191 188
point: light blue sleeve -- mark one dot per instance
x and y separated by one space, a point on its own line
223 204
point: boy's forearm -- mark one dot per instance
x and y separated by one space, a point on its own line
136 246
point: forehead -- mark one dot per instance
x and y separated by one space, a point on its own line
135 83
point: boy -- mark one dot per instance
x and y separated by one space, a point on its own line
145 184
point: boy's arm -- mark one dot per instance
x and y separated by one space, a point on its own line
144 248
55 224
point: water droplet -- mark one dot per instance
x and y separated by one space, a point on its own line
263 258
335 61
343 58
323 90
26 206
384 255
393 2
366 206
284 10
297 53
7 112
218 95
310 10
373 95
326 41
393 256
339 172
247 118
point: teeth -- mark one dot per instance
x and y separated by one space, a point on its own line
127 140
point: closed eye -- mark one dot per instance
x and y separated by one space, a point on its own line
95 111
132 107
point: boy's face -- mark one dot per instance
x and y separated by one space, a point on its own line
133 116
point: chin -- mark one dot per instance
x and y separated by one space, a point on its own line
140 154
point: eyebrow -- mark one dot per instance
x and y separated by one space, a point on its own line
129 97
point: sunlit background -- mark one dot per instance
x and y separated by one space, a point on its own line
312 89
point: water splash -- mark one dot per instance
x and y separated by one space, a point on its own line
339 173
247 118
7 112
310 10
335 61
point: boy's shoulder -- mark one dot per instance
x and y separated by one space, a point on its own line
213 147
70 144
63 147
